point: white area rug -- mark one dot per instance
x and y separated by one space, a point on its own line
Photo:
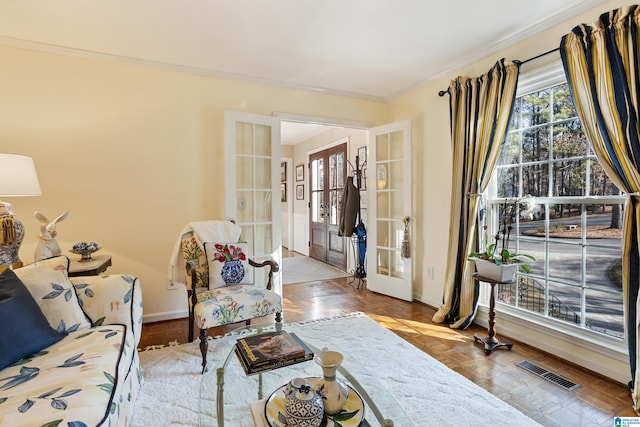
429 393
305 269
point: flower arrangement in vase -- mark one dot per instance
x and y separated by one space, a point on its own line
496 262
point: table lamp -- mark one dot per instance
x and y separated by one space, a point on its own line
18 178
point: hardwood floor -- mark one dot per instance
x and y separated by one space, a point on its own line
594 403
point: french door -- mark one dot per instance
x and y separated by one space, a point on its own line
389 195
327 178
252 185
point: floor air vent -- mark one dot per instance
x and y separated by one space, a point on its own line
549 376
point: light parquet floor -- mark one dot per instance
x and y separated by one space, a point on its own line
595 403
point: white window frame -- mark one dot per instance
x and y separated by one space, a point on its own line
601 353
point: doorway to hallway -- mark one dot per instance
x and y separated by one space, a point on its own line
328 174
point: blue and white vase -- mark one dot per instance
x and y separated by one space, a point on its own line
304 407
232 272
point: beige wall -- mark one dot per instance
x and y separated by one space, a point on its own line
133 153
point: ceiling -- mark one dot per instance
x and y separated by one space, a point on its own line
373 49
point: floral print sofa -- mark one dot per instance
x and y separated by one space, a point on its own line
90 374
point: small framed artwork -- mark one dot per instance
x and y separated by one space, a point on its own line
283 192
283 172
300 173
300 192
362 155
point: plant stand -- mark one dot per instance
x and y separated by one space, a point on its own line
491 342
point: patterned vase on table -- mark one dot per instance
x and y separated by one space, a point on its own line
334 391
303 406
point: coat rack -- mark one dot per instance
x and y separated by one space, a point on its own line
360 249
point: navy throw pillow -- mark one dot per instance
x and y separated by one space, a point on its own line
25 330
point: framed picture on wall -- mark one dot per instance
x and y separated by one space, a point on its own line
300 192
300 173
362 155
283 192
283 172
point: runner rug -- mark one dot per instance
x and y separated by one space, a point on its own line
427 392
301 269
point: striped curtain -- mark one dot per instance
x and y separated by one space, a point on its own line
601 64
480 109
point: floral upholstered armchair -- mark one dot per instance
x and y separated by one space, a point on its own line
222 282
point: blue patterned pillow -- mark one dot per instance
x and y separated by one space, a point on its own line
24 330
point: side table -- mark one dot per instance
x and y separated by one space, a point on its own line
98 264
491 342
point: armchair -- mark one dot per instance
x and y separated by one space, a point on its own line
221 280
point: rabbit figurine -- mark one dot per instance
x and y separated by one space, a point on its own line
47 244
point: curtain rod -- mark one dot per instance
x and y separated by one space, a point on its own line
444 92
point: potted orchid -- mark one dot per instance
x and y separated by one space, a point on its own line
496 262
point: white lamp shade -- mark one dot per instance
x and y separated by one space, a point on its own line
18 176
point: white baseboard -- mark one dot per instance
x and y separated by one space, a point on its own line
167 315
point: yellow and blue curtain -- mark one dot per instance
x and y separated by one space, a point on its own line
601 63
480 109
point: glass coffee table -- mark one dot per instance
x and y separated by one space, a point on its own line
226 392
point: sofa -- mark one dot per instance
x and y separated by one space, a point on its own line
68 346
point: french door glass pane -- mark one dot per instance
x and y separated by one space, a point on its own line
382 205
317 200
263 206
263 140
340 170
383 237
320 182
396 175
396 149
383 262
244 172
397 266
396 204
244 138
332 171
397 234
263 242
333 208
263 173
244 209
382 147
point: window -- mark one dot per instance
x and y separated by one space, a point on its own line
573 218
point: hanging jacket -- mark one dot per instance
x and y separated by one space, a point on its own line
348 209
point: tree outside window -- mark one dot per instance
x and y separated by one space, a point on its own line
574 230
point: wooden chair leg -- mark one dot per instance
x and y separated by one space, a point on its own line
204 347
191 320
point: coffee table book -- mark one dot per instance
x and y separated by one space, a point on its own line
270 350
